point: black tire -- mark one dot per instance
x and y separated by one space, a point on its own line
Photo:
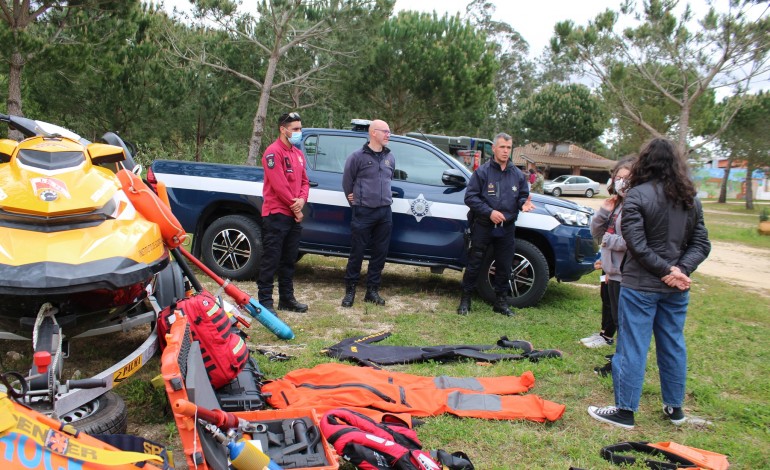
105 415
589 193
170 285
232 247
529 276
556 192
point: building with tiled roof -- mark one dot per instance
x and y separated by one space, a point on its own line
567 159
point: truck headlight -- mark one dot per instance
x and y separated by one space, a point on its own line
569 216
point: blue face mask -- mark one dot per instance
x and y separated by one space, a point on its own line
296 138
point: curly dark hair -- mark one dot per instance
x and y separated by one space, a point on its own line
660 161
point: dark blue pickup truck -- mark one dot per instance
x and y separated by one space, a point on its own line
220 204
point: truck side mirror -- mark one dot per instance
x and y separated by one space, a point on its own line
454 177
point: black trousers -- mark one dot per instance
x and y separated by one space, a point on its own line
369 228
610 307
280 247
503 242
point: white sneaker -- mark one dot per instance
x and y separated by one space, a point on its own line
597 343
591 338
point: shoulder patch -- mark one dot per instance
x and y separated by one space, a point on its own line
270 160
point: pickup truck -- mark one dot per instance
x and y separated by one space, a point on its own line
221 204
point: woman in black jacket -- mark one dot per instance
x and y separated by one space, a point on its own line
666 240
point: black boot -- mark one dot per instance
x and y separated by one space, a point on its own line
268 305
291 304
465 304
350 295
373 296
501 306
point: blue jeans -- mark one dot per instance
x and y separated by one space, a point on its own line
640 315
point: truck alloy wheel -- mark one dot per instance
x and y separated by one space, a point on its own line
528 279
232 247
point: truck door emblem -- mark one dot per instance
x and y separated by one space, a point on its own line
420 207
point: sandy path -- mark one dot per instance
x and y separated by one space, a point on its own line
731 262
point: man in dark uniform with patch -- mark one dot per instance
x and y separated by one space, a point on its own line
366 183
495 194
284 194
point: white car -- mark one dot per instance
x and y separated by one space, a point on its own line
570 184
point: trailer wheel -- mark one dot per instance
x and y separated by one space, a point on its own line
170 285
104 415
232 247
528 279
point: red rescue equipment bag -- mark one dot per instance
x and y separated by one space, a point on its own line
224 351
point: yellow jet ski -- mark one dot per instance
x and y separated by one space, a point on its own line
76 256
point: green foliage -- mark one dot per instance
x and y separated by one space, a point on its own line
563 113
425 72
764 215
670 57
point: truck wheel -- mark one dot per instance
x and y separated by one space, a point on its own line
589 193
556 192
104 415
232 247
170 285
528 278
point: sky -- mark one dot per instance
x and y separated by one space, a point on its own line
534 20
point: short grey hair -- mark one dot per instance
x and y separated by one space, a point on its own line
503 136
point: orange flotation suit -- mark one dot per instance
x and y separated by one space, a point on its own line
340 385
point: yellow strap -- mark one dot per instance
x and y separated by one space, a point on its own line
67 446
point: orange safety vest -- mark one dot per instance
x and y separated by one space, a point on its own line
340 385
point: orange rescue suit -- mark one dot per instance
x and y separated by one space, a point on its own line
340 385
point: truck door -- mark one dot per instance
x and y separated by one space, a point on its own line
326 227
428 216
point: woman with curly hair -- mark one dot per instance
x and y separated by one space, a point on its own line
666 240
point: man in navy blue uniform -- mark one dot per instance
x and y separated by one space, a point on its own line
366 183
495 195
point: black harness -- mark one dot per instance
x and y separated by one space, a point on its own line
361 350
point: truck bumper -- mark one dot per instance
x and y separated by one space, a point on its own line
575 252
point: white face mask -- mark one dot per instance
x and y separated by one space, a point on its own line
620 186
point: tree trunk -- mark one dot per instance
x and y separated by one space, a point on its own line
723 189
259 120
14 91
199 138
684 129
749 190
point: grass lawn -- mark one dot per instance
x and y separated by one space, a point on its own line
728 340
734 223
728 334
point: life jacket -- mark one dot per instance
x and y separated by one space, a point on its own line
361 350
380 446
676 455
224 351
340 385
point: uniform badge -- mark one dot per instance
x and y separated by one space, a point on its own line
387 163
514 188
420 207
270 159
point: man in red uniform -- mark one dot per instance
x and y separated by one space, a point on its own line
284 195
